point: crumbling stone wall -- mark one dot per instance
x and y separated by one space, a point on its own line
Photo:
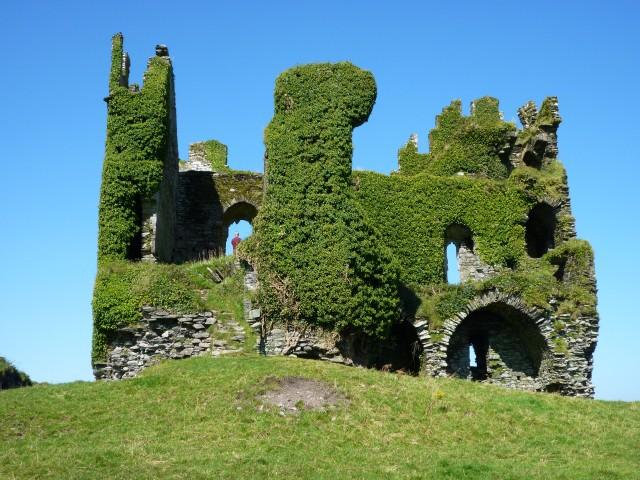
470 264
210 196
206 204
161 335
401 351
508 361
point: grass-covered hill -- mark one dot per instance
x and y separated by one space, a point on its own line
201 418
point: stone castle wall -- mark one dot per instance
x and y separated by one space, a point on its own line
412 348
161 336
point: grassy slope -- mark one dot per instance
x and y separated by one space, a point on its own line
197 419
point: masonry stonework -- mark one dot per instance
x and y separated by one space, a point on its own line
161 335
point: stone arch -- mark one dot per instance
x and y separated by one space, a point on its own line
239 210
206 203
508 346
540 229
459 234
533 362
233 213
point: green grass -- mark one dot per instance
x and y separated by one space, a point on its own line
198 419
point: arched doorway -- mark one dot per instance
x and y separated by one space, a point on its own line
237 218
497 343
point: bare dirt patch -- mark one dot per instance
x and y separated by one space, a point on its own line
292 394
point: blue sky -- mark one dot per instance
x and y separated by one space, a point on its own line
226 56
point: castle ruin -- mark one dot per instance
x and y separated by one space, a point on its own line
350 266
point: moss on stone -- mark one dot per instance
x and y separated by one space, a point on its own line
237 186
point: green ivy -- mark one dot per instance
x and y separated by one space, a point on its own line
464 179
413 213
474 144
319 260
332 247
215 152
137 134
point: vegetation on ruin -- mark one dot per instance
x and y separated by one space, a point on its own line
464 180
216 153
535 282
319 260
238 184
199 418
475 144
413 213
412 208
137 134
123 287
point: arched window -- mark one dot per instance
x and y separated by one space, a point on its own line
458 245
540 230
453 269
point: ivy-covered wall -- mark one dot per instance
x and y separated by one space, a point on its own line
359 254
474 177
319 260
476 144
140 157
137 138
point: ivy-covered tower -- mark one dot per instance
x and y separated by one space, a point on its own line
137 198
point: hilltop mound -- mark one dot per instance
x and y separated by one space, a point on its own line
202 418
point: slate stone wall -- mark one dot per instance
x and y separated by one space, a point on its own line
199 212
161 335
470 265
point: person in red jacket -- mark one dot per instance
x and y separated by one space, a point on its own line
235 242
